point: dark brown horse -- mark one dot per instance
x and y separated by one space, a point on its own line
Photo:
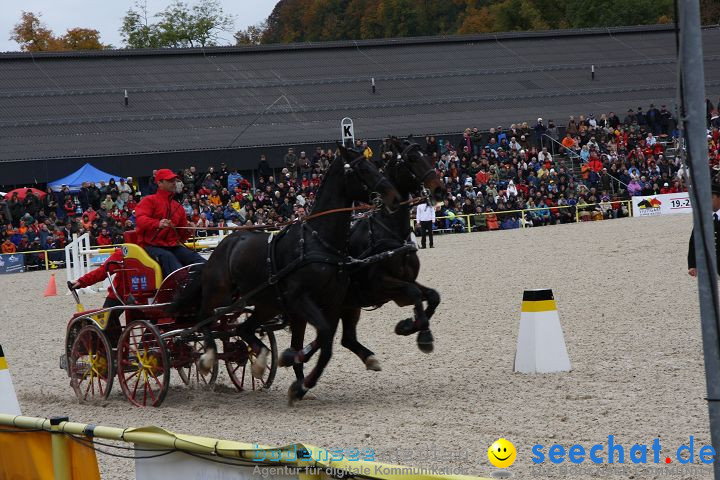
392 278
300 272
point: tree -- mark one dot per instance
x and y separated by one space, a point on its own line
311 20
178 25
82 39
477 21
611 13
710 12
136 31
34 36
252 35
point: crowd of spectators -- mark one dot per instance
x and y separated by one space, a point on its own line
584 168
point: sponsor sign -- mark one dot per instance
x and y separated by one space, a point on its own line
663 204
12 263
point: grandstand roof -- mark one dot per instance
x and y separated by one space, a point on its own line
71 104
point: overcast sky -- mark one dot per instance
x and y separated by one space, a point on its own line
106 15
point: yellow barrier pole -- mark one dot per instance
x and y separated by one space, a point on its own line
522 222
60 450
47 261
630 212
467 219
577 214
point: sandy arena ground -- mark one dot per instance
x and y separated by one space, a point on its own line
627 306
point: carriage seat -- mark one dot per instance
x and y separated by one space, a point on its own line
142 274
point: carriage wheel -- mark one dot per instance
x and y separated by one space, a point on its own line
143 368
189 354
90 364
239 357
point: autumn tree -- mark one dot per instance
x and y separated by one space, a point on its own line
82 39
313 20
179 25
31 33
34 36
612 13
251 35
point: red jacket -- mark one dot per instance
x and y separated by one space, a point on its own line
148 214
98 275
595 165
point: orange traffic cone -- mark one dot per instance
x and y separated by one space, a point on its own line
51 289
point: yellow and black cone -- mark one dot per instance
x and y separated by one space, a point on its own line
541 344
8 399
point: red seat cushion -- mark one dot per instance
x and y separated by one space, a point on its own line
130 236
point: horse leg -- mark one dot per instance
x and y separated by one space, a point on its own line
219 297
291 356
410 294
325 332
294 355
247 332
432 297
350 318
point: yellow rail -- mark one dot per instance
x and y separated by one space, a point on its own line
578 208
252 454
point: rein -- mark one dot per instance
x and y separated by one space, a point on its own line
362 208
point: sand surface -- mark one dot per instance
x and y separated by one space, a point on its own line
627 306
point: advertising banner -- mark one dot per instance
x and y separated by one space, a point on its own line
12 263
663 204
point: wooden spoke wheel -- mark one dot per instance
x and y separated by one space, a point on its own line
143 366
90 364
239 357
185 357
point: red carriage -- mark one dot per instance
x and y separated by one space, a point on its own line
154 342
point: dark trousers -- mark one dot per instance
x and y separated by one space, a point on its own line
113 328
172 258
426 228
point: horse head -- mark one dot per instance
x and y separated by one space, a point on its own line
409 169
359 171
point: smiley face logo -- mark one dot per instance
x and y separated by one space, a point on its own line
502 453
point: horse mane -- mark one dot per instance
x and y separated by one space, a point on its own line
337 159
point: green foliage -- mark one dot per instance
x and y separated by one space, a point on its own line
611 13
179 25
315 20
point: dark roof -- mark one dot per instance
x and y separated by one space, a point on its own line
71 104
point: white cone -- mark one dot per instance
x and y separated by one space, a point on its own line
8 400
541 345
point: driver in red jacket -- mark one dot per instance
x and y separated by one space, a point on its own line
157 217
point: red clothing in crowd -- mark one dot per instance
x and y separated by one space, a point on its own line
154 208
103 240
98 275
523 190
481 177
595 165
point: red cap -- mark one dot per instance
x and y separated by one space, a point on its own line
164 174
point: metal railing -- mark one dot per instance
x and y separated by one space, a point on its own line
467 225
574 155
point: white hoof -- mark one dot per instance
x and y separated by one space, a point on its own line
372 363
206 362
260 364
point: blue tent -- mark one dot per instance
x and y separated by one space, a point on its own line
86 173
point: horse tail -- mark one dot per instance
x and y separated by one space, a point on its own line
189 297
